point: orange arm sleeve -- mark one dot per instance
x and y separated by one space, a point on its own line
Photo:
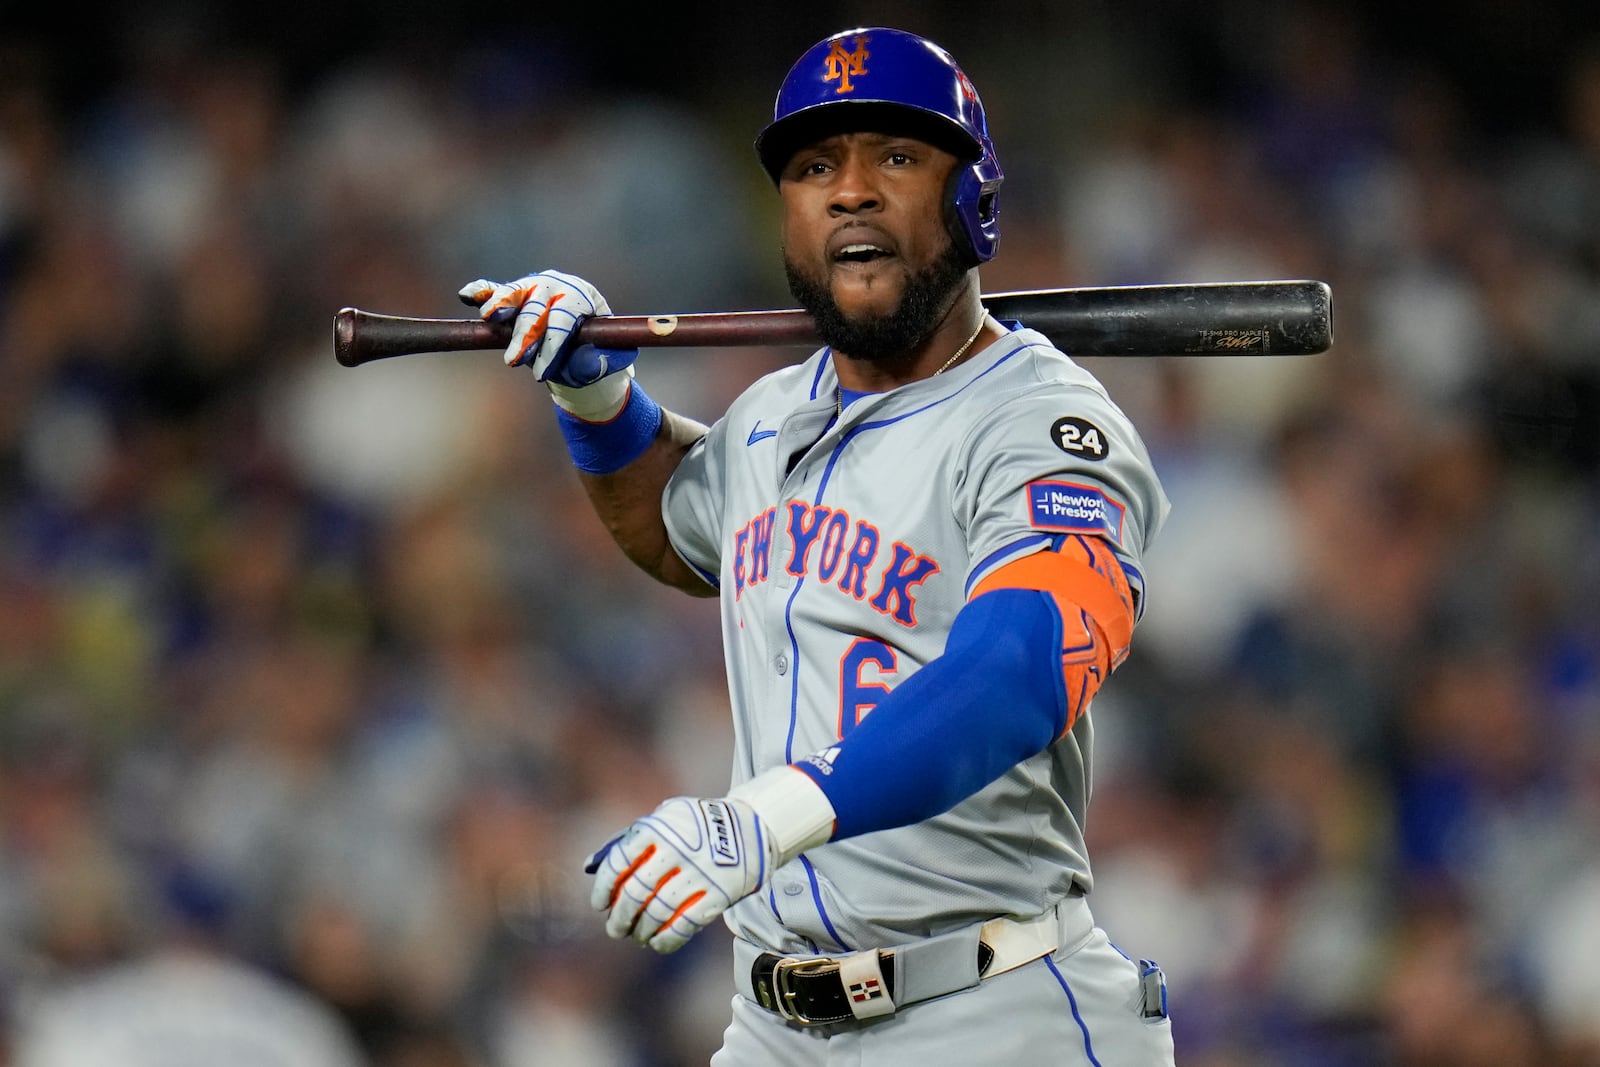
1091 592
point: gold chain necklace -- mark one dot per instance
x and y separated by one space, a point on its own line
838 391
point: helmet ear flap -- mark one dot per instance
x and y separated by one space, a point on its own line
972 211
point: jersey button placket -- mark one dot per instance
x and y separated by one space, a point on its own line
781 663
778 559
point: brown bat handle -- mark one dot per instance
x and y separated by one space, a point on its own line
363 336
1263 318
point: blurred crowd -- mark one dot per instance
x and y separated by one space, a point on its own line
317 684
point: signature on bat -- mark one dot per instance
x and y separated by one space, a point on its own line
1233 341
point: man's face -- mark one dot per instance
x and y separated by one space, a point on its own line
864 240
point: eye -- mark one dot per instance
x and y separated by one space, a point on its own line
802 167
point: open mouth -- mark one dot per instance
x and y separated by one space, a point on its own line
860 253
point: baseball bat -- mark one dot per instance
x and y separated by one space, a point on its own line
1259 318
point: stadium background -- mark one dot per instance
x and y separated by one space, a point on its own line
328 675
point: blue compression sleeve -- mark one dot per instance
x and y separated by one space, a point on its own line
994 698
606 447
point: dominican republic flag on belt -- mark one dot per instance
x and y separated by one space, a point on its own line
861 974
861 992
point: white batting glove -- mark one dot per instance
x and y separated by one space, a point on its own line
548 308
673 872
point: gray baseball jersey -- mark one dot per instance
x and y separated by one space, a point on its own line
843 551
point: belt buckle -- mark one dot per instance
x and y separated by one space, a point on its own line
785 994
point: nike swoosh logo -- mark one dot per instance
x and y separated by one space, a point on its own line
758 434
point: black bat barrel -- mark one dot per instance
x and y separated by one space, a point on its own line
1287 318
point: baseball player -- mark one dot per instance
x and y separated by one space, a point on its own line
926 543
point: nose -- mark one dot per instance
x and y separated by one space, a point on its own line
854 187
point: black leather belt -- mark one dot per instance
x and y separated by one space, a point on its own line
813 991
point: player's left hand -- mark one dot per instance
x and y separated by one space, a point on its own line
673 872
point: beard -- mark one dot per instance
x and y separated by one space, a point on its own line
887 340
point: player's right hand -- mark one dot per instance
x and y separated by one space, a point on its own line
673 872
548 308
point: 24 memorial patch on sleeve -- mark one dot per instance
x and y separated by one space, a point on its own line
1080 437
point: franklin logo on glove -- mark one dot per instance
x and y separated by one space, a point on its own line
724 838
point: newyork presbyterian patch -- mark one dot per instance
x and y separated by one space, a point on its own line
1073 508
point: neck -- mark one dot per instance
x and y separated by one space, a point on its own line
966 330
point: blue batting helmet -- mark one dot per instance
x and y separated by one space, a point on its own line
863 78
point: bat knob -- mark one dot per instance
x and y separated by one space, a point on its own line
344 336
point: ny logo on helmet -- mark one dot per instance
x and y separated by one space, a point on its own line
842 65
